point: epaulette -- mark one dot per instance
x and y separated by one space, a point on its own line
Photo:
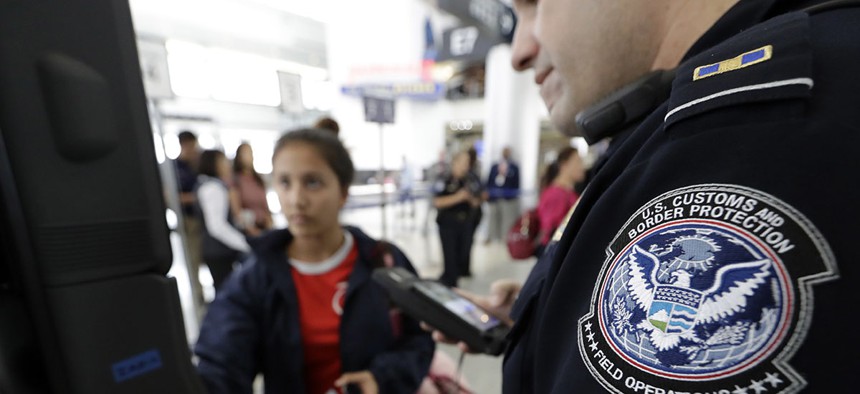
770 61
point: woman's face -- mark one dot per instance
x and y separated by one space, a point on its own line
309 191
223 168
574 168
246 156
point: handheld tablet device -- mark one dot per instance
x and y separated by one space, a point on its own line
445 310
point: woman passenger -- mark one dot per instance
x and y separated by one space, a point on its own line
304 311
557 193
222 243
250 202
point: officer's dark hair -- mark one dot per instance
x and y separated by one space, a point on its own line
552 171
328 146
186 136
209 162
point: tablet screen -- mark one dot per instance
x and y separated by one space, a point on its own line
457 304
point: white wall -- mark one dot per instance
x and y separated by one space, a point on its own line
375 34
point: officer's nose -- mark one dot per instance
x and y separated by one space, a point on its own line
524 48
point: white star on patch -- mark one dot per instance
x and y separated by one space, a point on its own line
757 386
590 337
593 346
740 390
588 326
773 379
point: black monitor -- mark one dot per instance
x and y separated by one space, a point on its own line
85 304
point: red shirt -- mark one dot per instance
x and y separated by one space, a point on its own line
554 204
321 297
252 197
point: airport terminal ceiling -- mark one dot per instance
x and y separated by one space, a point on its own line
251 69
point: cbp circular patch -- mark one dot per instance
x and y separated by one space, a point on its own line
706 289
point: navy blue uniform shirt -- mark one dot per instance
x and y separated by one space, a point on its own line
448 185
715 251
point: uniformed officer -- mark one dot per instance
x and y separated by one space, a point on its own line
457 196
713 252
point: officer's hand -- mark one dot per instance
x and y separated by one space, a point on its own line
438 336
498 303
464 194
363 379
503 293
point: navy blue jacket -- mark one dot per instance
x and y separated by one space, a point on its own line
510 188
715 251
253 327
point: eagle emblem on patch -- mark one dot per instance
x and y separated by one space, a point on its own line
707 288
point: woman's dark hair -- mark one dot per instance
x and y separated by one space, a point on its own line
327 123
328 146
552 171
473 158
237 165
209 162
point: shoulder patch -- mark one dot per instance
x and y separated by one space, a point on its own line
705 289
780 52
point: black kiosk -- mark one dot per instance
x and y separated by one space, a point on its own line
85 304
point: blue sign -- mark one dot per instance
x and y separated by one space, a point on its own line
416 91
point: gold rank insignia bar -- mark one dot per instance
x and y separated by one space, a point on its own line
746 59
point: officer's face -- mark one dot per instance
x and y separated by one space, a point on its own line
460 165
581 50
311 196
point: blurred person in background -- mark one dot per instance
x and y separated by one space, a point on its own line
457 195
186 165
503 192
435 172
406 188
473 182
558 193
249 202
223 244
303 310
